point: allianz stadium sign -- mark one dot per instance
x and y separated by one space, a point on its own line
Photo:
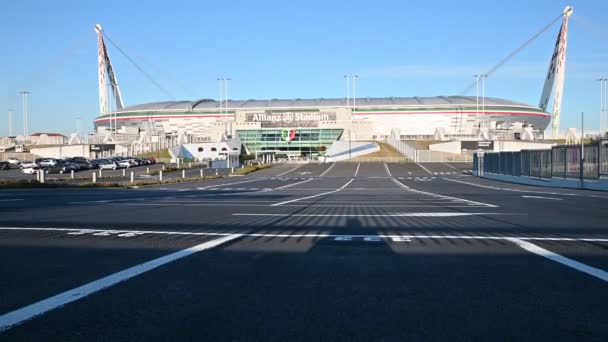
289 119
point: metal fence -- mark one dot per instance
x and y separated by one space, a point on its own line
563 161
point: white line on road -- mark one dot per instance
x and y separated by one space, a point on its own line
357 170
530 247
450 166
450 214
313 196
11 200
424 168
313 235
509 189
19 316
541 197
290 185
443 196
387 170
328 169
286 172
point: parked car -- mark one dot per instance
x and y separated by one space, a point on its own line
13 161
107 165
82 164
4 165
123 163
48 162
62 168
30 170
28 164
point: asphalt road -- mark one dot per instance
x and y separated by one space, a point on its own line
336 252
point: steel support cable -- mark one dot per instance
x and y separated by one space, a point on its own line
147 75
514 53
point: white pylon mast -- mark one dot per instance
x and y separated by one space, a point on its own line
104 67
554 82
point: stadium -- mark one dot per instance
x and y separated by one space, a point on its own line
259 124
307 126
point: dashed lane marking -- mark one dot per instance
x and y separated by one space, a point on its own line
532 248
357 170
320 235
21 315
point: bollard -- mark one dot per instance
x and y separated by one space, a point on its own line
37 175
42 174
132 176
100 173
202 174
148 170
160 176
178 163
163 167
183 174
95 177
72 174
232 169
216 172
123 172
189 165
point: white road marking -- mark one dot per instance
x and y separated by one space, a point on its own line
401 239
449 214
387 170
450 166
290 185
286 172
541 197
357 170
328 169
443 196
317 235
343 238
313 196
19 316
424 168
530 247
508 189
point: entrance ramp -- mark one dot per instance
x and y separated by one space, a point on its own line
343 150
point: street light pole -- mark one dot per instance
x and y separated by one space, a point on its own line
483 99
10 122
476 97
603 104
347 90
220 79
355 91
24 96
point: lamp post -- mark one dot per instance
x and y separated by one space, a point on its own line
24 98
10 122
354 77
603 104
477 96
347 90
483 99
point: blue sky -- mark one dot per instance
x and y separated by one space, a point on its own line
290 49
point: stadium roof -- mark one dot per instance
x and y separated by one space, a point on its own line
206 104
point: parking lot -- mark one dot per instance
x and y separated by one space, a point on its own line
299 252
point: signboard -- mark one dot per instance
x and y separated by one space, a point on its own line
269 119
477 145
101 147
